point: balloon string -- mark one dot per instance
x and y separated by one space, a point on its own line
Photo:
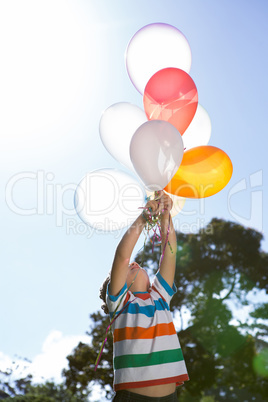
114 317
152 223
158 236
166 241
106 333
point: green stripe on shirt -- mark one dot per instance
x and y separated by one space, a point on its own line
149 359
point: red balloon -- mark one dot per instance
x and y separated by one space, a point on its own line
171 95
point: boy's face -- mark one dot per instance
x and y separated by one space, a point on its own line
142 282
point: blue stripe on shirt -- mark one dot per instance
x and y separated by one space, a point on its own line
115 298
149 311
168 289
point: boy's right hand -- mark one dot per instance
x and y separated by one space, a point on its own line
161 205
152 207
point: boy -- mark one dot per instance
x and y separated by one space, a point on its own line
148 362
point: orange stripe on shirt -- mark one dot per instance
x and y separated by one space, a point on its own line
121 334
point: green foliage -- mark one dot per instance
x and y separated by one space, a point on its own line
12 387
30 398
22 390
260 363
81 372
48 392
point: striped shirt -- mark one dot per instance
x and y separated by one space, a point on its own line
146 349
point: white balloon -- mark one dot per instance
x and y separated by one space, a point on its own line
108 199
199 131
156 151
117 125
154 47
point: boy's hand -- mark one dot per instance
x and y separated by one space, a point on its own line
152 207
162 204
165 204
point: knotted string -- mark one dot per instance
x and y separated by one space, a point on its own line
152 224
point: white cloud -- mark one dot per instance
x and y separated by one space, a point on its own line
50 362
5 362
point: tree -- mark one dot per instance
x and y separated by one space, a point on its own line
23 390
216 268
47 392
9 386
81 371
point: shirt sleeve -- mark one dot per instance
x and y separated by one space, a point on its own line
163 287
116 302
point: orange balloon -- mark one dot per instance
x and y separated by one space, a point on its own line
204 171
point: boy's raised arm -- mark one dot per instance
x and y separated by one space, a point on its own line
168 264
124 251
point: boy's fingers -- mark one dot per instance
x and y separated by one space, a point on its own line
152 206
167 204
160 205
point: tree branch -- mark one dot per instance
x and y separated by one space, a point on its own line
232 288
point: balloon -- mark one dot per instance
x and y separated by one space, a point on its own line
204 171
156 151
171 95
178 202
108 199
154 47
199 131
117 125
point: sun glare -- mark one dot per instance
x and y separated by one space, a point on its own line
43 71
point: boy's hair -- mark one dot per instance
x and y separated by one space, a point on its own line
103 292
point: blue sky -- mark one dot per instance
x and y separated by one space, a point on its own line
62 64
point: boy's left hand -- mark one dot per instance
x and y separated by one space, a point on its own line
165 204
